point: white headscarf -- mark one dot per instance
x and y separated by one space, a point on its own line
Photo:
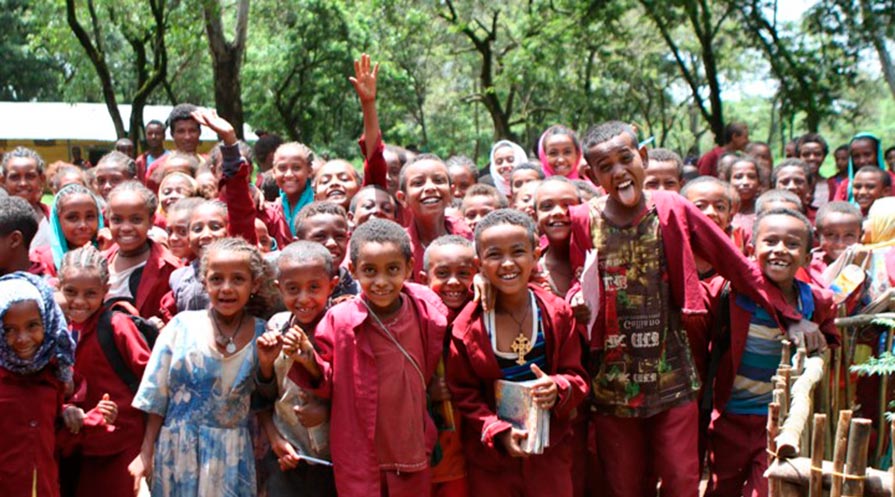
519 157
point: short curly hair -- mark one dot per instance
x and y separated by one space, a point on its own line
381 231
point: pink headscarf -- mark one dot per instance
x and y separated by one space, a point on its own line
542 154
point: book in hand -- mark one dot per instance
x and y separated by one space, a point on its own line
516 406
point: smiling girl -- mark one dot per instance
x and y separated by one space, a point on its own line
75 219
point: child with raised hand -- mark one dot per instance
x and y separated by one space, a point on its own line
481 199
372 201
649 286
425 191
839 226
746 177
103 456
327 224
374 357
449 263
298 425
559 152
200 378
529 335
505 155
75 219
552 201
664 171
751 351
139 268
36 358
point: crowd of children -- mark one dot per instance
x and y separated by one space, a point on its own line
170 324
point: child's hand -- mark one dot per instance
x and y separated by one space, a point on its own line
297 345
438 389
140 468
286 455
482 292
108 408
73 418
580 309
539 278
269 345
806 334
512 442
312 412
210 118
544 391
104 238
364 79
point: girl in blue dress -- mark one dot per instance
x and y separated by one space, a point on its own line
198 384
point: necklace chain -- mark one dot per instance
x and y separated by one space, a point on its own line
220 338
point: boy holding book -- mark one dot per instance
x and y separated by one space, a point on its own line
374 357
644 379
529 335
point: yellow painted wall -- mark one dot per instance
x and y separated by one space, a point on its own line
56 150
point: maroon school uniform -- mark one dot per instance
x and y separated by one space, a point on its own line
31 406
348 364
453 226
842 189
472 372
708 163
154 279
105 455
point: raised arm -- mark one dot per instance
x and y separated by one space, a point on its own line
364 82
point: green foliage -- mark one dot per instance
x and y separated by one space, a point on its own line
457 74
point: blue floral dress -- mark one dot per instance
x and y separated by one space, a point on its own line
204 447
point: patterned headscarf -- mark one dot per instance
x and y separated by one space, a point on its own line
519 157
58 243
542 153
880 160
58 347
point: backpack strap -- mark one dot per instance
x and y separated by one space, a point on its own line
107 342
720 345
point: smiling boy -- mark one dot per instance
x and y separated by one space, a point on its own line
644 379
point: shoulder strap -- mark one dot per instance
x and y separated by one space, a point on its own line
720 344
113 355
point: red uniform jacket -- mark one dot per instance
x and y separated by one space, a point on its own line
272 215
31 406
43 257
350 380
473 369
154 281
708 163
453 225
842 189
233 190
824 314
100 378
687 231
375 167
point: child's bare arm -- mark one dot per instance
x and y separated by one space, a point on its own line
211 119
364 82
141 466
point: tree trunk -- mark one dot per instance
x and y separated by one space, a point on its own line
878 37
226 61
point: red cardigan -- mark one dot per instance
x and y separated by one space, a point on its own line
154 281
473 369
350 379
687 231
31 406
91 364
824 315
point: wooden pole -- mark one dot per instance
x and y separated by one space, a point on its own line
785 353
796 421
774 487
798 470
856 460
815 485
836 369
840 446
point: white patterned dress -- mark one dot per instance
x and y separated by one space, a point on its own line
204 447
